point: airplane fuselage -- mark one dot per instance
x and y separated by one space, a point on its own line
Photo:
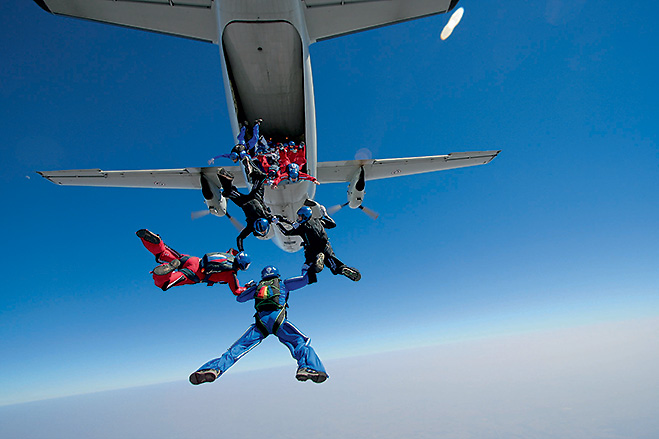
264 48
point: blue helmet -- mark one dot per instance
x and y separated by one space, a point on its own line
303 214
261 226
242 260
269 272
293 172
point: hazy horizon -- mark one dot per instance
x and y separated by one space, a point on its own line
559 383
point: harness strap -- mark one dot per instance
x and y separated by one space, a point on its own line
278 321
190 274
260 326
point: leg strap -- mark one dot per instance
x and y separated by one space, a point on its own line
278 321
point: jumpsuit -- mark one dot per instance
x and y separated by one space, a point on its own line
272 321
189 272
315 241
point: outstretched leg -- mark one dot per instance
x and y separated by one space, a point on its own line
215 368
309 365
157 247
338 267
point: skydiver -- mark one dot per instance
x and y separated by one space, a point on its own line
177 269
257 214
293 174
297 154
240 149
270 301
317 247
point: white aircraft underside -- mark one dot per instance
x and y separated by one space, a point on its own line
264 48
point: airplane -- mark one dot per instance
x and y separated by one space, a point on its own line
266 69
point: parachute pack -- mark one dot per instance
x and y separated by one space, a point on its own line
267 295
218 262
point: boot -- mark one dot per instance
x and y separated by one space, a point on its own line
148 236
351 273
167 268
204 376
305 373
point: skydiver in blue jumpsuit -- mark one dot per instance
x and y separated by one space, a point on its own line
243 149
270 301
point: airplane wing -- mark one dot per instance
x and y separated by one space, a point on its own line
186 178
332 18
185 18
337 172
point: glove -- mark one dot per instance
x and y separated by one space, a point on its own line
275 220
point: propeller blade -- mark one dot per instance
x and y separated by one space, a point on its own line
363 154
333 209
199 213
237 224
373 214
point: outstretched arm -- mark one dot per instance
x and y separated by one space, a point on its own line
244 234
246 295
304 176
283 229
295 283
232 280
327 222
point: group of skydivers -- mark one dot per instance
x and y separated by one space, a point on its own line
270 294
279 161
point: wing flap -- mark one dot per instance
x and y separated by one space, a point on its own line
332 18
186 178
185 18
343 171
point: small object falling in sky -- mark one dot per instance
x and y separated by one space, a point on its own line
452 23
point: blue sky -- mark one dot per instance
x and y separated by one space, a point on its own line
560 230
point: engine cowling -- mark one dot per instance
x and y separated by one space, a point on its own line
217 204
356 189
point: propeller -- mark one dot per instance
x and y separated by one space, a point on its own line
199 213
236 223
370 212
333 209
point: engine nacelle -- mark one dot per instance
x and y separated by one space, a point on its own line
217 204
356 189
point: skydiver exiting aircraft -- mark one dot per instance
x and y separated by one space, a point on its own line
317 248
297 154
242 148
177 269
270 301
293 174
257 214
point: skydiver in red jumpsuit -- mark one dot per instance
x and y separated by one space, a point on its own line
177 269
